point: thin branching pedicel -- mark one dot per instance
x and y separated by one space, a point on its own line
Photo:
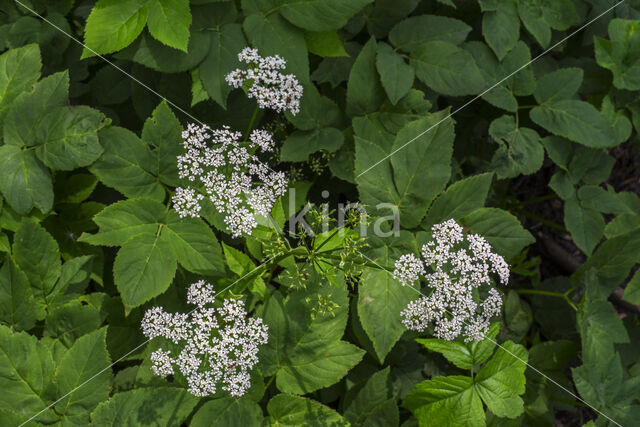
460 270
230 174
266 83
212 346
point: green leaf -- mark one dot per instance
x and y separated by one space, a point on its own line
287 410
144 268
26 370
222 58
502 380
501 229
169 22
597 198
461 198
585 225
395 75
126 164
421 164
24 181
447 69
320 15
501 28
325 44
384 14
164 131
228 411
67 322
300 144
558 85
87 359
158 405
37 254
17 305
417 30
373 403
364 91
600 328
520 149
20 70
632 291
29 108
578 121
621 53
113 25
120 221
446 401
67 137
539 17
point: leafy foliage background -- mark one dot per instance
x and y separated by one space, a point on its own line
545 166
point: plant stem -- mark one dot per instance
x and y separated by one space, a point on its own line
541 220
538 200
564 296
253 119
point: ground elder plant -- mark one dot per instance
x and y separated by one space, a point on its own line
336 212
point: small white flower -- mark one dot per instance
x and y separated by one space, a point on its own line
232 177
269 86
220 345
460 264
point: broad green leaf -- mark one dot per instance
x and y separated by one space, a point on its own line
157 405
120 221
578 121
194 244
151 53
164 131
417 30
300 144
169 22
20 70
17 306
127 164
586 225
520 150
26 370
24 181
421 164
320 15
273 35
500 382
461 198
621 224
501 28
539 17
87 359
447 69
558 85
37 254
144 268
621 53
29 108
69 321
373 402
364 91
443 401
222 58
287 410
501 229
501 94
325 44
552 355
228 411
67 137
597 198
316 111
600 328
395 75
385 14
632 291
113 25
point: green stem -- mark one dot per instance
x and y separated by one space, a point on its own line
365 263
525 107
538 200
253 119
564 296
541 220
327 239
299 251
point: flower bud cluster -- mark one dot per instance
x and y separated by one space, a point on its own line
460 268
268 85
213 346
230 174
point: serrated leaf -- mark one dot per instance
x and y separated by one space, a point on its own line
228 411
320 15
632 291
364 91
396 76
325 44
21 69
620 53
24 181
373 403
558 85
164 131
447 69
585 225
417 30
161 405
520 152
300 144
113 24
17 305
169 22
501 28
287 410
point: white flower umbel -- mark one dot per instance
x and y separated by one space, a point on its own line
230 174
214 346
461 268
270 88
